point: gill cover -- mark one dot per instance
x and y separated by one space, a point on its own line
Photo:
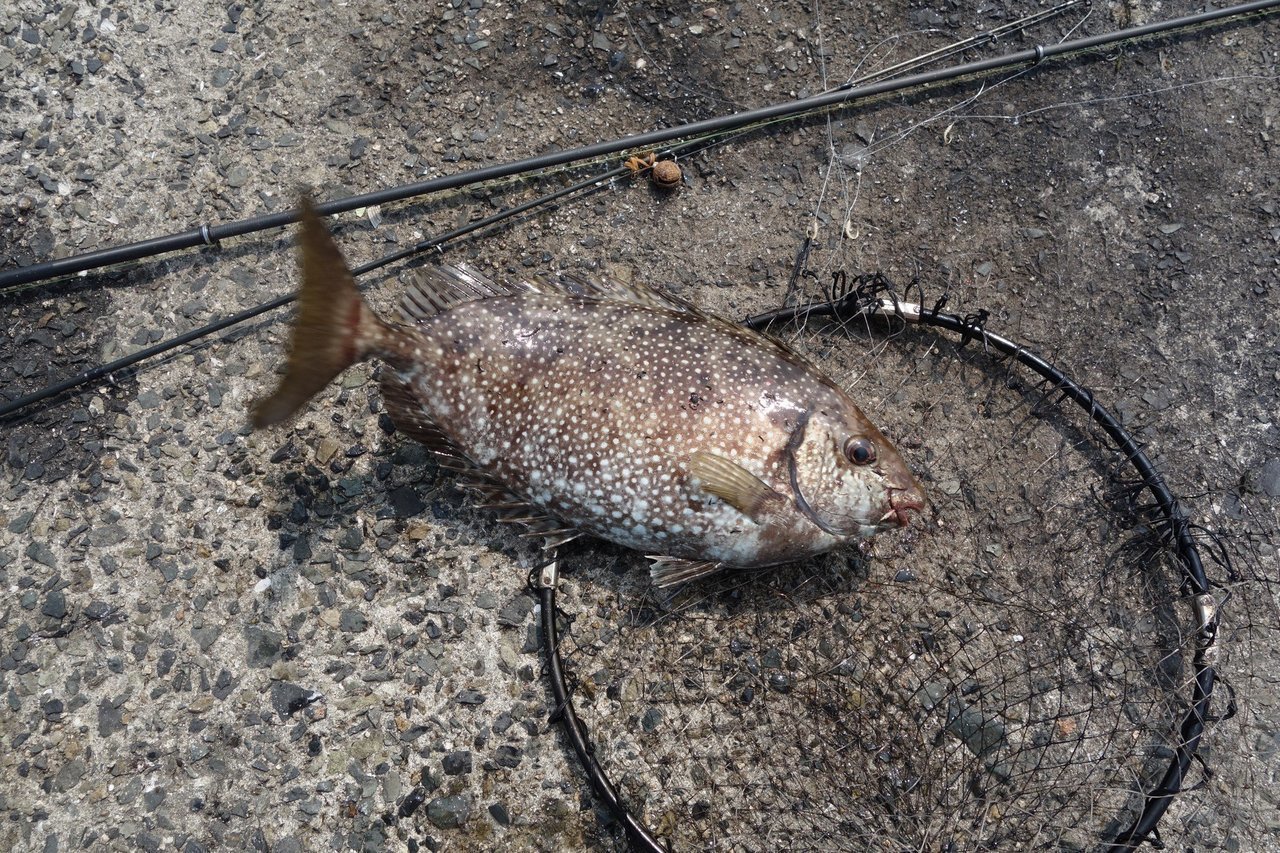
841 499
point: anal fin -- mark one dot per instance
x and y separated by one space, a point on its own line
489 493
407 413
669 571
512 509
554 538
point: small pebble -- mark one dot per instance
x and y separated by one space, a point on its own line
651 719
456 763
449 812
1269 478
55 605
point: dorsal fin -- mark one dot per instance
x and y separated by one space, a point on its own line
612 290
439 288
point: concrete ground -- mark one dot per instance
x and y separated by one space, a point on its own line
305 639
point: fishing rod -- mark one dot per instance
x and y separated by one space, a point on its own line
101 371
913 64
208 235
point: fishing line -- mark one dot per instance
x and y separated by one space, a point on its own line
702 143
1002 774
972 42
915 63
840 98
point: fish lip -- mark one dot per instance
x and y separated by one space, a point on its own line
896 517
902 499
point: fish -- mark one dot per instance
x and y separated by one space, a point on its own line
585 406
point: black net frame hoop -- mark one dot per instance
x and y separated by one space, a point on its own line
1179 530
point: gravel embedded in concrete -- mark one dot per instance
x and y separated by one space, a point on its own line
305 639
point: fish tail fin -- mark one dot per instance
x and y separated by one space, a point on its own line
335 327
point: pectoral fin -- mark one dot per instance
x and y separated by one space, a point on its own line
734 484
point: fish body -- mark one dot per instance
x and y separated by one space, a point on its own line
597 408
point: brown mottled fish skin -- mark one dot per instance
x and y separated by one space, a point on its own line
612 411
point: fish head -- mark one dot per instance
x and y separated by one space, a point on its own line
846 476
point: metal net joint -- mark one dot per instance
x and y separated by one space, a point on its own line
549 574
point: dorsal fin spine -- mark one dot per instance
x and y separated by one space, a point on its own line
435 290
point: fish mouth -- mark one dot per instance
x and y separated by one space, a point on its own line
902 500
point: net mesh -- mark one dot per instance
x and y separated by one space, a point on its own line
1011 676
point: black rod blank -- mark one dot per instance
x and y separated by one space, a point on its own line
211 234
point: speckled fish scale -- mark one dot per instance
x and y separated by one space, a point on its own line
588 407
576 405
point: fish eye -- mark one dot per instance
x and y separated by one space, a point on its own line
860 451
